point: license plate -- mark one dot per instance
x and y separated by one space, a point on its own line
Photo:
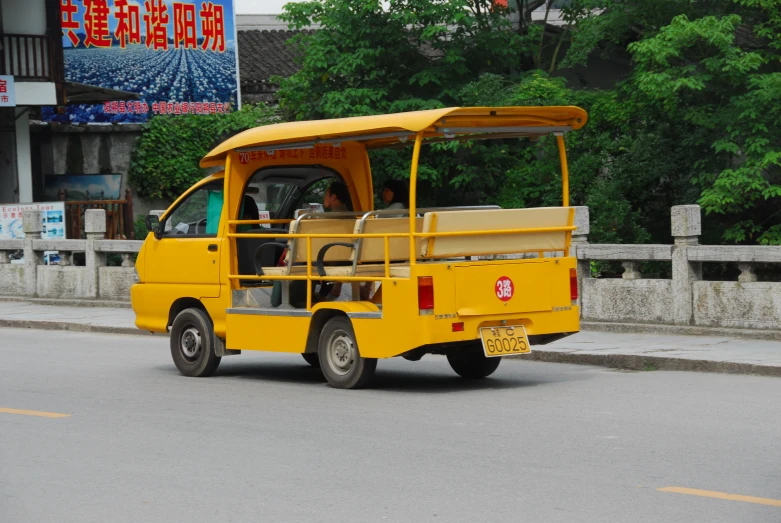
504 340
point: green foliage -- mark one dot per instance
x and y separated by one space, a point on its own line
369 59
165 160
139 228
720 77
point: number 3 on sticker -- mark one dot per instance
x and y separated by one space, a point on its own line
504 288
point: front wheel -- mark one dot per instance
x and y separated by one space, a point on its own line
471 362
192 344
340 360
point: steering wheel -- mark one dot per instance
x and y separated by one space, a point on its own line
198 224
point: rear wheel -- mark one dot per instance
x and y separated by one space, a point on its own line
192 343
312 359
471 362
340 360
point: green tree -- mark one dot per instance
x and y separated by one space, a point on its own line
367 58
720 76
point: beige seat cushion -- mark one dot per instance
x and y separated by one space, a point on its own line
373 249
372 271
495 219
323 226
297 270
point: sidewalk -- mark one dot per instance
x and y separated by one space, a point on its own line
31 315
632 351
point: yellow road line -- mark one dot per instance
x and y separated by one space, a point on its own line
4 410
722 495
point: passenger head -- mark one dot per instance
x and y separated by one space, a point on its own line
250 211
337 197
395 191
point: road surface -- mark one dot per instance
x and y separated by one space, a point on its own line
100 428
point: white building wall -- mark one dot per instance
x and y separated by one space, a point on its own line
24 164
24 17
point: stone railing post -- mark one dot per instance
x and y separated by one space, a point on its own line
32 226
580 238
686 228
95 227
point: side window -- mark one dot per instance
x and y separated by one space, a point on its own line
199 214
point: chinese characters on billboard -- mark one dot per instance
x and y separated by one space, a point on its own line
179 56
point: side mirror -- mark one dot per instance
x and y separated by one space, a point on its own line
153 225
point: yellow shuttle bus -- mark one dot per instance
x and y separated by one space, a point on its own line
240 261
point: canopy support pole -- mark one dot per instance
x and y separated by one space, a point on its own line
226 217
564 169
413 190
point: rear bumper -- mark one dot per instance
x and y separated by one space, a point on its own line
436 334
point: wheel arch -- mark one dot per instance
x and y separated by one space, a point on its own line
181 304
319 319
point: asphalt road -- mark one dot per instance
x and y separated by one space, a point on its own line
267 440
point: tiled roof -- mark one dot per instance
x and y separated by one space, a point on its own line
263 54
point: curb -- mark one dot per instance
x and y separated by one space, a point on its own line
637 362
74 327
714 332
68 303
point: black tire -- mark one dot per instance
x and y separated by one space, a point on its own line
312 358
192 344
471 363
340 360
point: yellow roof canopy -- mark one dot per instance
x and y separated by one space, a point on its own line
398 129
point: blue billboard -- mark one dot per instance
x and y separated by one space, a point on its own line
179 56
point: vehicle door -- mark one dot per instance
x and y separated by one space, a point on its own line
188 253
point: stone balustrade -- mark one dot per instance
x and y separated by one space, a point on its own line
93 279
685 299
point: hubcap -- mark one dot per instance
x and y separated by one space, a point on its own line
190 343
341 352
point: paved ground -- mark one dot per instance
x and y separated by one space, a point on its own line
618 350
266 440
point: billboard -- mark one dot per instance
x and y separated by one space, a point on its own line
53 225
180 56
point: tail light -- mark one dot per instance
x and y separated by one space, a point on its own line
573 285
426 294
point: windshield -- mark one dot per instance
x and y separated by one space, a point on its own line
269 196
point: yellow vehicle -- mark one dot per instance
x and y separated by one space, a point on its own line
212 274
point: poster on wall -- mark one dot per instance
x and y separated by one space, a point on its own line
179 56
53 225
82 187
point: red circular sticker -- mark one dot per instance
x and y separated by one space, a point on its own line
504 288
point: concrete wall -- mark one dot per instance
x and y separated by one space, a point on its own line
92 149
114 283
12 279
747 305
62 282
618 300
